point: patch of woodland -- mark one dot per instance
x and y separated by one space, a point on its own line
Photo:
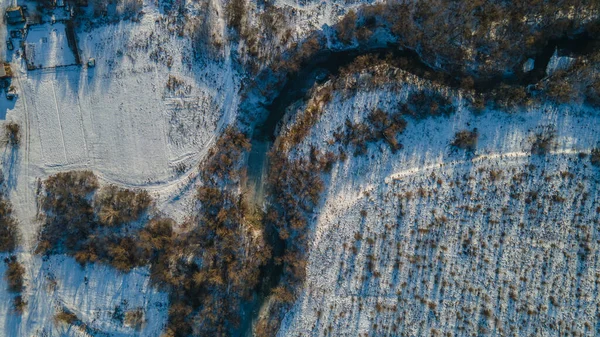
15 282
579 83
210 270
487 37
218 260
296 188
88 222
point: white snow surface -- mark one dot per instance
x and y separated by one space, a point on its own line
557 63
410 274
46 46
121 121
92 293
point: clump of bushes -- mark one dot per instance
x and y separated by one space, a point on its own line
466 140
67 317
426 103
12 132
510 96
67 211
75 215
387 127
14 274
346 28
543 142
225 155
116 206
8 227
19 304
559 88
379 126
135 318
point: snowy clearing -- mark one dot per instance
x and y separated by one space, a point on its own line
433 240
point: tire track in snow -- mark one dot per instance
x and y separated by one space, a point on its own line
27 129
481 158
62 135
421 169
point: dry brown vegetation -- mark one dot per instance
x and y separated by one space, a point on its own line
297 186
379 126
466 140
209 270
226 249
14 274
595 157
224 157
9 236
85 224
427 103
12 132
135 318
67 317
424 26
19 304
116 206
543 142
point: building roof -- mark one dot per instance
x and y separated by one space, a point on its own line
5 70
15 14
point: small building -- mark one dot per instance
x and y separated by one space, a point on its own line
5 71
91 62
11 93
14 15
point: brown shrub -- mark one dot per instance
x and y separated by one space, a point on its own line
14 275
426 103
543 142
19 305
283 294
12 133
466 140
117 206
67 212
65 316
235 13
346 28
8 227
135 318
559 88
224 157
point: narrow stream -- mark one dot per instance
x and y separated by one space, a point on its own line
327 64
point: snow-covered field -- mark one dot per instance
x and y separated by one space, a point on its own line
92 294
427 237
121 120
433 241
